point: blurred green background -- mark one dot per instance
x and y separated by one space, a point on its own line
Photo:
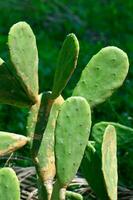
96 24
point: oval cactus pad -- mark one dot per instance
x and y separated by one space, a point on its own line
109 161
10 142
66 63
105 72
24 56
71 133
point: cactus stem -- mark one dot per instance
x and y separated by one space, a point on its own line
59 191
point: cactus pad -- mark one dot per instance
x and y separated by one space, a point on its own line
10 142
24 56
66 64
9 185
124 133
105 72
46 158
72 133
109 161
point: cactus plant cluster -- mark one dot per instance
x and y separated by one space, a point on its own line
58 130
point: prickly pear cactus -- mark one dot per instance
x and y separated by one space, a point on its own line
9 185
105 72
58 130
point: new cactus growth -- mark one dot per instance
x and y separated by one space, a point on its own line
9 185
58 130
73 196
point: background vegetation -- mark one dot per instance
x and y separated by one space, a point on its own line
97 24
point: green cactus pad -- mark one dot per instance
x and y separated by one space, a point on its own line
104 73
10 142
11 91
9 185
73 196
124 133
66 64
109 161
46 158
91 168
71 133
24 56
